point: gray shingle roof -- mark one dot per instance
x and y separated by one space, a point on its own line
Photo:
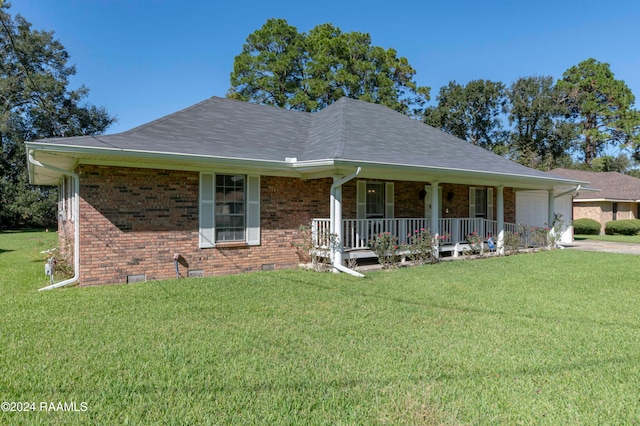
612 185
348 129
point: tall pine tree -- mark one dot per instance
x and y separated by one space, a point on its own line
35 102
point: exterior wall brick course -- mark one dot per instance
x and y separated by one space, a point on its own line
602 211
133 220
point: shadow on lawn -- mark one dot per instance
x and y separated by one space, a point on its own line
5 251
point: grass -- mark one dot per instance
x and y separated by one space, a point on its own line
544 338
635 239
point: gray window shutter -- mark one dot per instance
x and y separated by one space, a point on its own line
489 203
253 210
388 200
361 198
207 204
472 201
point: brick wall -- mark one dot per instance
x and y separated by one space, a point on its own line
602 211
133 220
66 232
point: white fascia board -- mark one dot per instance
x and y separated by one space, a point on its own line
155 159
286 167
608 200
463 175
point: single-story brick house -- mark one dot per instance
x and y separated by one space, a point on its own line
227 184
613 196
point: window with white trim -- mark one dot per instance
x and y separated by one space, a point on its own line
374 199
481 202
229 209
66 194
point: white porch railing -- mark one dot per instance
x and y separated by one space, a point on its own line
358 232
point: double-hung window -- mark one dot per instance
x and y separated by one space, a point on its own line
481 202
229 209
374 199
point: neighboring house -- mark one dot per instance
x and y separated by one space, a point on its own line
227 184
613 196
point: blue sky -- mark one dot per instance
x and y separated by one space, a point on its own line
143 59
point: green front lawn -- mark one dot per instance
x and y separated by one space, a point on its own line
545 338
635 239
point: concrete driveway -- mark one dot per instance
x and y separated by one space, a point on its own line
605 246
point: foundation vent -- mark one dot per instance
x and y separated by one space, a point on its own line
136 278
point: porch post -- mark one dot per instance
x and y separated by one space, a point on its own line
435 215
336 246
500 218
552 207
552 213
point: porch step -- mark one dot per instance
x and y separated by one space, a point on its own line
359 254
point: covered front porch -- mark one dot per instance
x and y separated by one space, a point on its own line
450 211
358 233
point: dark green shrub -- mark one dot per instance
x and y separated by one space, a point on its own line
586 227
622 227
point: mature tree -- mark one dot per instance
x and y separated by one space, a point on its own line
35 102
609 163
601 106
279 66
471 112
539 136
270 68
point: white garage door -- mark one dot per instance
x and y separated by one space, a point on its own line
531 207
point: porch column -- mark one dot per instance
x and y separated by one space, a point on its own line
552 213
435 215
552 207
336 223
500 219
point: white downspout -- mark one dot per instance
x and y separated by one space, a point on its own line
576 189
76 215
336 223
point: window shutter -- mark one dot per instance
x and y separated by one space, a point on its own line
207 201
361 198
472 202
388 200
489 203
73 198
253 210
62 199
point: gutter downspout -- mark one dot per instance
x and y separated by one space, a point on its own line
336 223
576 189
76 214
